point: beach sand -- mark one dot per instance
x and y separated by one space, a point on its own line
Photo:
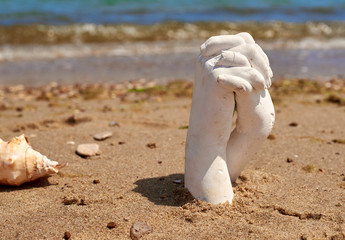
294 187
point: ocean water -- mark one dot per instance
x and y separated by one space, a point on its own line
157 11
90 21
95 40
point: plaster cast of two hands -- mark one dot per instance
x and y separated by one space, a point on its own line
230 68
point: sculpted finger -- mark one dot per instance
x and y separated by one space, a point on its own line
214 45
232 59
254 77
233 83
263 54
249 40
246 37
250 75
256 60
270 73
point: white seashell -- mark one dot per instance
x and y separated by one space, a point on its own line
19 163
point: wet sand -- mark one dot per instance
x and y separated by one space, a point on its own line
294 187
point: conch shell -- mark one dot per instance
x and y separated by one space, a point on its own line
19 163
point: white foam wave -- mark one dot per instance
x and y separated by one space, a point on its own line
37 52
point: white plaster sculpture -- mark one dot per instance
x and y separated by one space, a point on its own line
230 69
19 163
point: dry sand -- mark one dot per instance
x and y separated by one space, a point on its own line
294 187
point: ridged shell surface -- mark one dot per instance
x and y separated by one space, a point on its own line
19 163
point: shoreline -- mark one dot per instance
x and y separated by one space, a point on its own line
90 33
160 61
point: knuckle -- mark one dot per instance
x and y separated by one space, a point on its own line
248 38
251 48
256 78
228 55
253 74
211 40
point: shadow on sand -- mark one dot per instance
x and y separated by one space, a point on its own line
165 190
41 182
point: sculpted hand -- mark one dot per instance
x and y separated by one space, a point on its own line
255 111
230 68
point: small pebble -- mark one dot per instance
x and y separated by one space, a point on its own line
138 230
293 124
271 137
243 178
70 142
67 236
121 143
19 109
159 162
151 145
340 141
111 225
96 181
289 160
177 181
304 237
309 168
102 136
69 200
78 118
114 124
82 202
87 150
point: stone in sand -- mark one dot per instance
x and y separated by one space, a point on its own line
78 118
114 124
151 145
102 136
67 236
293 124
88 150
139 229
111 225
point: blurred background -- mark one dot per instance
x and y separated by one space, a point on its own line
85 41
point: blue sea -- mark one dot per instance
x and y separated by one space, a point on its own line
89 21
157 11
